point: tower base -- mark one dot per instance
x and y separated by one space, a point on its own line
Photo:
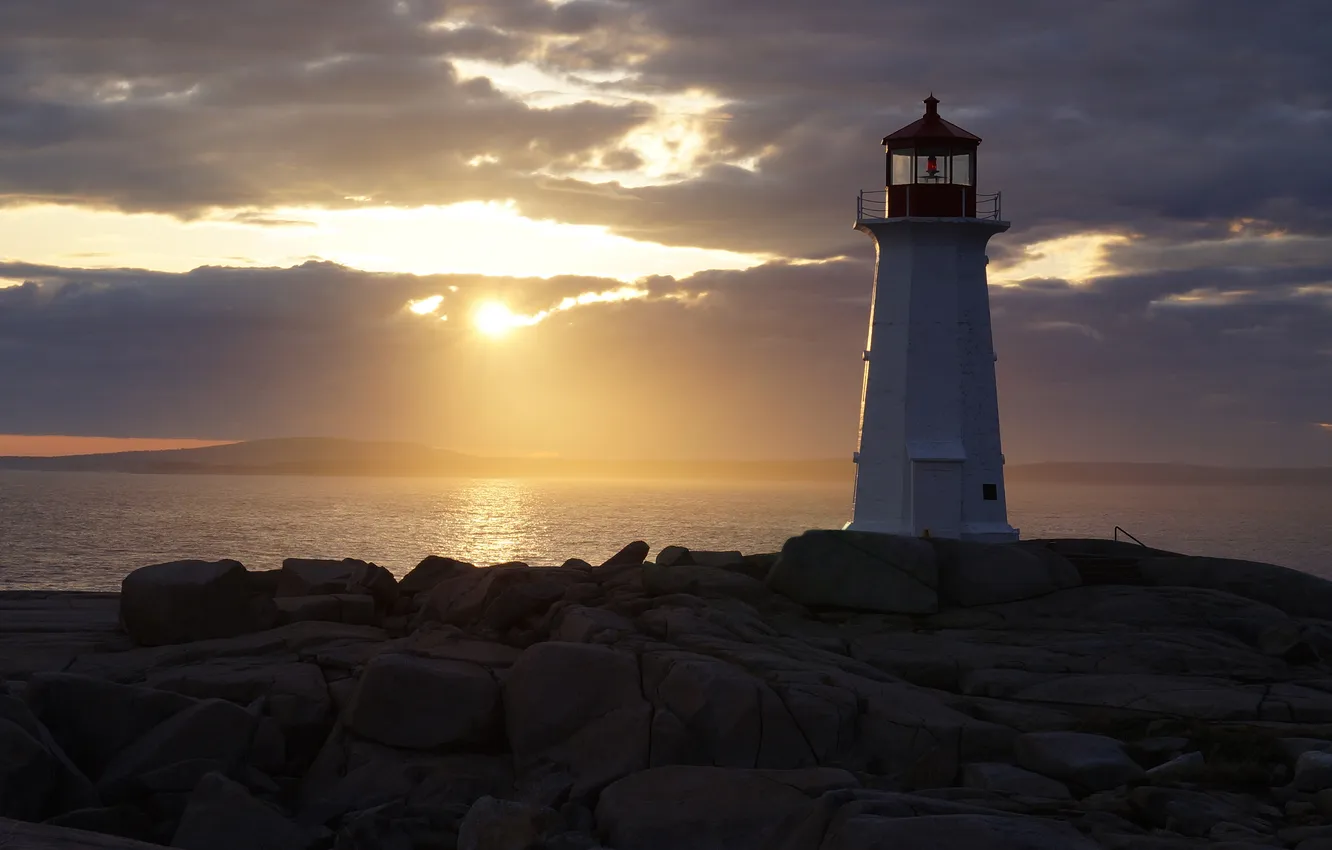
989 533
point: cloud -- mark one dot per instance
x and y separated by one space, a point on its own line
766 365
1129 117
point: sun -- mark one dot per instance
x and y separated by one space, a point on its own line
495 319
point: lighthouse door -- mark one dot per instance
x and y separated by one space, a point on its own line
936 498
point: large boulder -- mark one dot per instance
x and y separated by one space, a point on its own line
1091 762
633 553
858 570
210 729
702 808
498 597
424 703
320 577
973 573
221 815
577 709
431 571
185 601
1296 593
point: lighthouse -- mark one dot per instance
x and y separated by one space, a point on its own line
929 461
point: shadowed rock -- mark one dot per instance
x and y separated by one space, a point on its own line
430 572
634 553
859 571
702 808
319 577
972 573
424 703
1093 762
695 707
186 601
31 836
577 709
209 729
94 720
222 815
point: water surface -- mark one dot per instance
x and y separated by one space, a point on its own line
86 530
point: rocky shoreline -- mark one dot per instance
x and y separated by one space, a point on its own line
854 692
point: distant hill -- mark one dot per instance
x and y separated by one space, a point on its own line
1166 474
301 455
327 456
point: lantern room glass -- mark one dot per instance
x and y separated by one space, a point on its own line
931 166
902 164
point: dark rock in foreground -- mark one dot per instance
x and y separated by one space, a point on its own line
855 691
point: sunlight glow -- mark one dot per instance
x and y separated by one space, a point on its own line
1076 259
1205 297
464 238
425 306
495 319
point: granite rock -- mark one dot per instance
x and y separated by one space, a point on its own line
858 570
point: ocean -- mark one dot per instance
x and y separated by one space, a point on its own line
85 531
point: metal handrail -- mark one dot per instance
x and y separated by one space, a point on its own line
989 206
872 204
1119 531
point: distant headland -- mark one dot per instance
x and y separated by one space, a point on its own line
330 456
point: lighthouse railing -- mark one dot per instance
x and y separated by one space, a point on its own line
989 206
872 205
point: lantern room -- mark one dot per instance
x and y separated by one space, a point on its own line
931 170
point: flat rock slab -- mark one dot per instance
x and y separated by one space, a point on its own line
16 835
973 832
46 630
37 611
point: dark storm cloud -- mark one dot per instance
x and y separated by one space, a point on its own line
179 107
765 364
1124 116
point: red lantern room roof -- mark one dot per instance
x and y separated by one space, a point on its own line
930 128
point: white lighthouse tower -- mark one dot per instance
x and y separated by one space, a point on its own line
929 462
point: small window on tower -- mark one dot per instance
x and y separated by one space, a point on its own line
990 492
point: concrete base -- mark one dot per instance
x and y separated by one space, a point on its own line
982 534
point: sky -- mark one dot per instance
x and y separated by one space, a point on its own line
623 228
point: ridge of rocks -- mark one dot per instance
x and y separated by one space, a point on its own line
853 691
